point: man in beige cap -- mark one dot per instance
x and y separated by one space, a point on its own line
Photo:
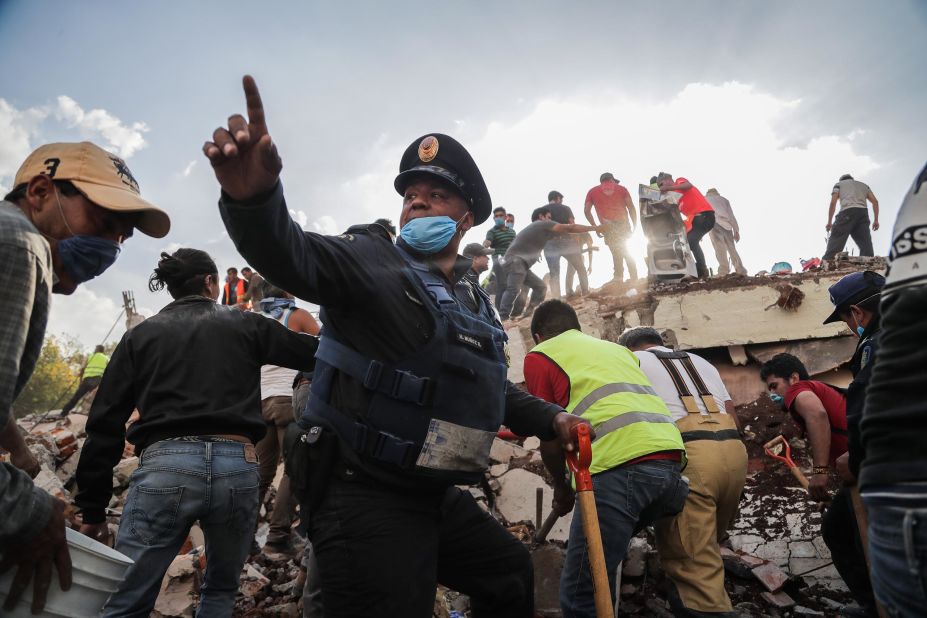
71 208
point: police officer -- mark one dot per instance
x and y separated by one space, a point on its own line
856 303
409 386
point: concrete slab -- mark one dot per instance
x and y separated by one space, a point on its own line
517 501
771 576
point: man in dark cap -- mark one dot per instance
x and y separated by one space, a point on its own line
524 251
856 303
409 387
617 216
563 245
480 260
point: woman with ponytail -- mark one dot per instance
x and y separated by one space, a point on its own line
193 373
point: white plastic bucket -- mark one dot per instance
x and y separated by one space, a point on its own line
96 571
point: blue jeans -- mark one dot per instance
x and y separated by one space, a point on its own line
898 551
176 484
626 499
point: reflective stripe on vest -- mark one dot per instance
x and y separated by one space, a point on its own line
96 365
608 388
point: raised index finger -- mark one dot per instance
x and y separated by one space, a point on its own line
253 101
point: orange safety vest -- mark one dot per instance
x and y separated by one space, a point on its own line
239 292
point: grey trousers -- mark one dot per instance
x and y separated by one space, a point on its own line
723 242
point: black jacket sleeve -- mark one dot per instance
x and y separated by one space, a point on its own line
326 270
106 434
526 415
856 403
282 347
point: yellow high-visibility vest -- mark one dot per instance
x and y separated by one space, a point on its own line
608 388
96 365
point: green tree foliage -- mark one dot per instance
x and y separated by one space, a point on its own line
56 375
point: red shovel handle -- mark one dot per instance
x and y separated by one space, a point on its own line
786 458
579 461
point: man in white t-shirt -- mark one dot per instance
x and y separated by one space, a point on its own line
702 409
277 410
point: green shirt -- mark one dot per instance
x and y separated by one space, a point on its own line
500 237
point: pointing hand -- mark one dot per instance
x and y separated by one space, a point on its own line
243 156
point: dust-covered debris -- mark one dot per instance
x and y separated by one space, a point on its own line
777 533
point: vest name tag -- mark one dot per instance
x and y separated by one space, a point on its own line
471 341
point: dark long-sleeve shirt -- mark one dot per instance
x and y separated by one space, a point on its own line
193 369
861 365
357 278
894 424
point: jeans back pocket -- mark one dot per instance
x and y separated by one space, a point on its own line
153 512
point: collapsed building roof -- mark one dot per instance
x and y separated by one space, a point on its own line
736 321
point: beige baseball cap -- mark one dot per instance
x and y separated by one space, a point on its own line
102 177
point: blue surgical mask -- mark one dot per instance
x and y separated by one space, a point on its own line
429 235
86 257
510 225
776 398
83 256
499 221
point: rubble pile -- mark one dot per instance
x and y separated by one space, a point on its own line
776 560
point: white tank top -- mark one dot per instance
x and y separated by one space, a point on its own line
277 381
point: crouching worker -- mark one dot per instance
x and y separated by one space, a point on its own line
637 453
821 410
689 544
193 372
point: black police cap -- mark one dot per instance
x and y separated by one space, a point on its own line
440 155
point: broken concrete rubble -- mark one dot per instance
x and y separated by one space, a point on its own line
517 501
775 541
777 526
771 576
778 599
180 588
735 321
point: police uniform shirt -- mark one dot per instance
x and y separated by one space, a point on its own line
357 278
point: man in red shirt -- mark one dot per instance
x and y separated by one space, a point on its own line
613 204
698 213
820 408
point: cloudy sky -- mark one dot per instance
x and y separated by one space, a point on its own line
768 102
